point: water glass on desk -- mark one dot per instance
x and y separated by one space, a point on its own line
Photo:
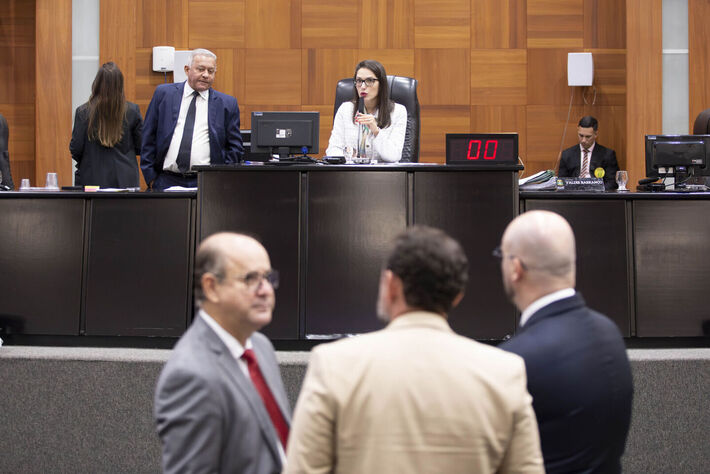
51 182
621 178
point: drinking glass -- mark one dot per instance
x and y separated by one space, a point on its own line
621 178
51 182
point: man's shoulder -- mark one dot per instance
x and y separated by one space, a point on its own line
221 96
570 151
167 89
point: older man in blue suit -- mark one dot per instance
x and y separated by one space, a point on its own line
189 124
578 371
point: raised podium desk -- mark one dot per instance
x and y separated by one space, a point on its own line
328 230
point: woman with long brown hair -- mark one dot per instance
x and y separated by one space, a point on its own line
107 134
378 130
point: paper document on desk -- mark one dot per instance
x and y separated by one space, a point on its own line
539 181
179 188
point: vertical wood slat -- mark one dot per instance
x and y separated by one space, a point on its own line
644 72
52 91
117 39
698 57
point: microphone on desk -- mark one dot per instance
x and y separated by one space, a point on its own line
361 105
360 109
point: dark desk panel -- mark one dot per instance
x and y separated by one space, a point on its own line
41 248
138 273
265 205
672 244
604 276
353 216
473 207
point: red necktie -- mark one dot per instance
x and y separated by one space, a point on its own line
267 397
585 164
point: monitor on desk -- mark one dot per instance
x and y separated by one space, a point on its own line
286 134
690 153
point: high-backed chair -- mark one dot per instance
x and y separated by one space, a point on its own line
702 123
403 90
6 178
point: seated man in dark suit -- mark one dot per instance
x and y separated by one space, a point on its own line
189 124
589 159
578 371
5 175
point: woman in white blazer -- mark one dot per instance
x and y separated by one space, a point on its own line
377 132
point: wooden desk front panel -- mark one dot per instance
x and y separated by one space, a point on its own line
474 207
603 274
672 267
265 204
138 271
353 217
41 249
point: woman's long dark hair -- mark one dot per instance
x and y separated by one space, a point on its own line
383 94
107 106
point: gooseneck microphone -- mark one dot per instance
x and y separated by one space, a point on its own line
361 105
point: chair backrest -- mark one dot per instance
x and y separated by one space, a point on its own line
702 123
403 90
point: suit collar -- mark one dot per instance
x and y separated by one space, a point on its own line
420 319
553 309
233 374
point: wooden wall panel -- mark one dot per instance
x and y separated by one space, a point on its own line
496 63
216 24
644 72
698 57
273 24
328 24
117 39
387 24
501 118
436 122
321 70
245 111
555 23
443 76
17 84
162 23
326 124
442 23
604 24
264 86
53 97
397 62
499 76
498 24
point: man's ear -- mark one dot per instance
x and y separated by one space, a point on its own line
209 287
457 300
516 273
187 69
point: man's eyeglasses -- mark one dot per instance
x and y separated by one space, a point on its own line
498 253
253 280
369 82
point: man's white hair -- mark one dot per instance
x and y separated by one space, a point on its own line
202 52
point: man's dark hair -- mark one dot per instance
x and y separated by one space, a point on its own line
588 121
432 266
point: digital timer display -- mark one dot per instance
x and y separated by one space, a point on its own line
483 149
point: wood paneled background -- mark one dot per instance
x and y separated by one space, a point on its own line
483 65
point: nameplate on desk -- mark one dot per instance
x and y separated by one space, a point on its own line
580 184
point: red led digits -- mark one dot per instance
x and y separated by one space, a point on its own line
478 150
486 156
487 153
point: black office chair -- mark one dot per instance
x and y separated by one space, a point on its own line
702 123
403 90
6 179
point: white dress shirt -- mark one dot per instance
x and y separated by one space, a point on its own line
540 303
200 151
585 172
387 145
236 349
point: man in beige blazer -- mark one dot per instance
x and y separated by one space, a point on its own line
415 397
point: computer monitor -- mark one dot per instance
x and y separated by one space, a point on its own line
689 153
285 134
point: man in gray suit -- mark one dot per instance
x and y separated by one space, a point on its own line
220 404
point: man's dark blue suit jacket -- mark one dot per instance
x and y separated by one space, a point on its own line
580 380
161 118
602 157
